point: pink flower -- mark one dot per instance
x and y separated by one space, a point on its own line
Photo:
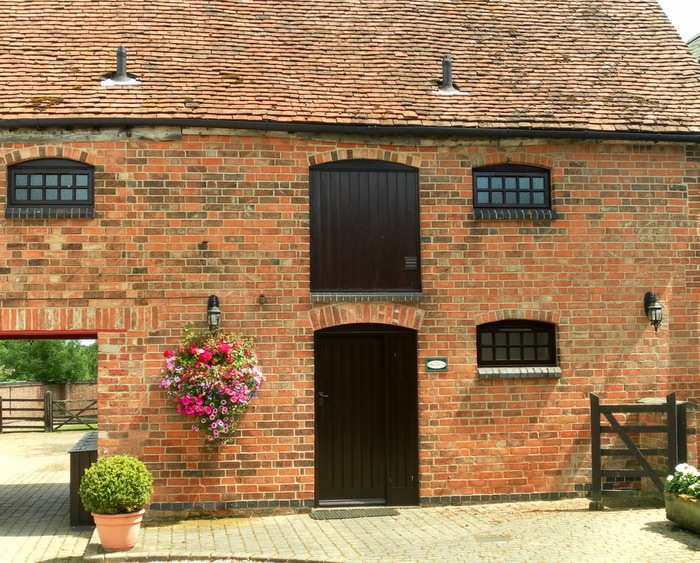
223 348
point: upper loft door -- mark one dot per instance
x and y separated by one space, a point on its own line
364 227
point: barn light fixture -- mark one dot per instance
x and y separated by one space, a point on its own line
213 313
653 309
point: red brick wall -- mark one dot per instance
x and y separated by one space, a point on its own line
227 214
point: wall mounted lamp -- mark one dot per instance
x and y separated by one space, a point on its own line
653 309
213 313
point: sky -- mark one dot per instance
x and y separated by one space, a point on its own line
685 15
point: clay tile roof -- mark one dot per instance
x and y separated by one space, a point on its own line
599 65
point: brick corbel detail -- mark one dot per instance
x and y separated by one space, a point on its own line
375 313
76 319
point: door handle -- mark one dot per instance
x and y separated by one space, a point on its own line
321 397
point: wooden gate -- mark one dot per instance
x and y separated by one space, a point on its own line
47 414
645 465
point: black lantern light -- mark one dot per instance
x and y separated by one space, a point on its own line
213 313
653 309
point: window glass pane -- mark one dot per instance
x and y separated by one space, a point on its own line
524 183
542 353
538 198
37 180
81 180
487 355
528 354
51 194
81 195
525 198
482 197
529 338
496 197
501 339
542 338
482 183
51 180
511 183
486 339
497 183
36 194
66 180
21 194
515 354
511 198
538 183
21 180
514 339
66 195
501 354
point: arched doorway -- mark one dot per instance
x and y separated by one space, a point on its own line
366 415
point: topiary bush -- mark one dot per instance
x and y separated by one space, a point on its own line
116 485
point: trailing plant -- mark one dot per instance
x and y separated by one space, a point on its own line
684 481
212 378
116 485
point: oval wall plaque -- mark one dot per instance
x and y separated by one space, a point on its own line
436 364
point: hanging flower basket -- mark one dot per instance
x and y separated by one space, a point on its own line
212 378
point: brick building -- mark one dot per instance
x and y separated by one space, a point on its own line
439 257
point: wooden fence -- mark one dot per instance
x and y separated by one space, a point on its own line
47 414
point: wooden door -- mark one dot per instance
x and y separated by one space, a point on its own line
365 227
366 416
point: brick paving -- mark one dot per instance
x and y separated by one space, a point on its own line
34 527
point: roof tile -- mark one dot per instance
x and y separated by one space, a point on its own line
562 64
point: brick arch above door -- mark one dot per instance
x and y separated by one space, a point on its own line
374 313
364 153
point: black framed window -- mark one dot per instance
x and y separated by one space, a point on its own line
50 188
516 343
524 190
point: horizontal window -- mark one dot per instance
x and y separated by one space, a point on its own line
512 192
40 188
516 343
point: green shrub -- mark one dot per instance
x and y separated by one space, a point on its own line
116 485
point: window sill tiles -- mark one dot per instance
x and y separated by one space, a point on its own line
546 372
516 214
395 296
50 212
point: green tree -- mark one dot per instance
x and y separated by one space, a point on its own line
47 361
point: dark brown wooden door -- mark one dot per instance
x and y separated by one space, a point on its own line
365 232
366 416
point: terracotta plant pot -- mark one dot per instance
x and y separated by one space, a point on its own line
118 532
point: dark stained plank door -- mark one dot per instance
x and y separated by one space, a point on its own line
366 416
365 231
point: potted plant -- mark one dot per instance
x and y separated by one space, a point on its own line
681 496
212 378
115 490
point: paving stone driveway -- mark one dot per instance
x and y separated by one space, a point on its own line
34 526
